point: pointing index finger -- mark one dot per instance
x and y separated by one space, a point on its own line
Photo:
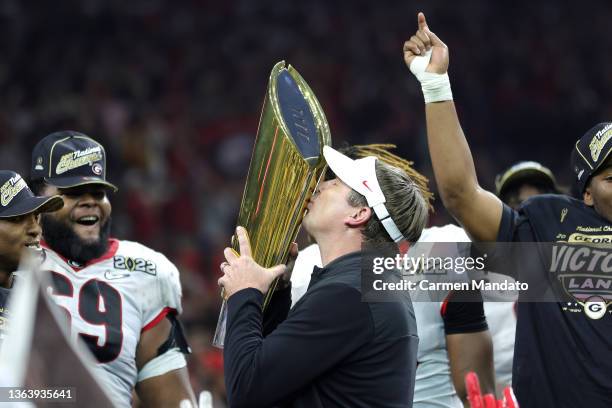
243 241
422 22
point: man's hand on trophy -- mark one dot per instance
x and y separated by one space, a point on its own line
285 279
240 271
425 52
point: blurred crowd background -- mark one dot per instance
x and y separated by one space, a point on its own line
173 89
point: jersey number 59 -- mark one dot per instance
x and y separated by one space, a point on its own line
92 295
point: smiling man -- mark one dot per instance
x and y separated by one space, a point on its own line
121 297
19 229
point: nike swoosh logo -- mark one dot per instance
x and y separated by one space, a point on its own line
365 183
110 275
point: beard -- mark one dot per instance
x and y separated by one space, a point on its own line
62 239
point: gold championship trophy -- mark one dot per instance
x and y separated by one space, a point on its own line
286 165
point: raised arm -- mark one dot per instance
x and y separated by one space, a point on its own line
477 210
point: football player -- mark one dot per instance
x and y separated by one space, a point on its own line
19 229
121 298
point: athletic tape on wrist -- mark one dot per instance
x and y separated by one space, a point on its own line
435 87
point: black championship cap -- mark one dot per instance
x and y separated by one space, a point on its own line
525 172
590 152
17 199
69 159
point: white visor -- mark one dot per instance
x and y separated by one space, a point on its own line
360 175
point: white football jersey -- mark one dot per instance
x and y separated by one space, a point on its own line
433 385
306 260
110 301
501 320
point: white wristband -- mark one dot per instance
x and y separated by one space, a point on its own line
435 87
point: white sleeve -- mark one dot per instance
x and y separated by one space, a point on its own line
166 294
171 360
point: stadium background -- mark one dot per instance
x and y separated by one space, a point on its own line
174 90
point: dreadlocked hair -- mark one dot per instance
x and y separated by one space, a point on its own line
381 151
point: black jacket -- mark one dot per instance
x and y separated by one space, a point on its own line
332 349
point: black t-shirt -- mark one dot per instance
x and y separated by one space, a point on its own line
563 355
4 293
